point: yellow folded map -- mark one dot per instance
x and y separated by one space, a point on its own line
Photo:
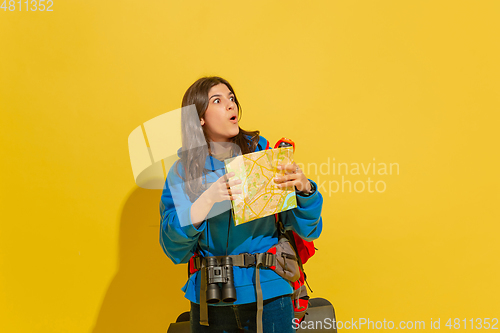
260 196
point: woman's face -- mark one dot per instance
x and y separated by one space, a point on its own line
221 118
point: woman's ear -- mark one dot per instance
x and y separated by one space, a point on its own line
202 121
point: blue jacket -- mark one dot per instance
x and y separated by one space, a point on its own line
179 238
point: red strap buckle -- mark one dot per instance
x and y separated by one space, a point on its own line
191 266
272 250
285 140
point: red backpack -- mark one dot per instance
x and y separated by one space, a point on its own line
304 251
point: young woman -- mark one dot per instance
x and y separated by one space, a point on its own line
196 216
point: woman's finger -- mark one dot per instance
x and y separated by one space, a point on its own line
289 168
286 178
234 195
297 169
225 178
287 185
234 182
232 191
228 191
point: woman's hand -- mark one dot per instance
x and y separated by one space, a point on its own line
221 189
293 178
217 192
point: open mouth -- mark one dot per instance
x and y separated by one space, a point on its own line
233 119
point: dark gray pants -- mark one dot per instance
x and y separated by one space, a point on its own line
277 317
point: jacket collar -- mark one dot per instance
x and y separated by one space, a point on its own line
211 163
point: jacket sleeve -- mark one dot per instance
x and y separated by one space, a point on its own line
305 220
178 236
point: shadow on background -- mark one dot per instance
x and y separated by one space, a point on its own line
144 295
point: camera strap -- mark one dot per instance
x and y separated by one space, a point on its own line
203 284
203 297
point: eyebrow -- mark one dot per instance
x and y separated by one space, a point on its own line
218 95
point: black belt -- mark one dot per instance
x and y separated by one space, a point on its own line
266 259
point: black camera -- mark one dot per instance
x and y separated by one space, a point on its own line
220 273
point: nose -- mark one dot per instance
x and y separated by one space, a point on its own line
230 105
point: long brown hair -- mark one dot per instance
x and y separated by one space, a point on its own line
195 143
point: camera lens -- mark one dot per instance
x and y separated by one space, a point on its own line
214 276
228 290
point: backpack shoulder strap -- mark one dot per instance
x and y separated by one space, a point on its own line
260 145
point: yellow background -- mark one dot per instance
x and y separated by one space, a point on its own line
408 82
